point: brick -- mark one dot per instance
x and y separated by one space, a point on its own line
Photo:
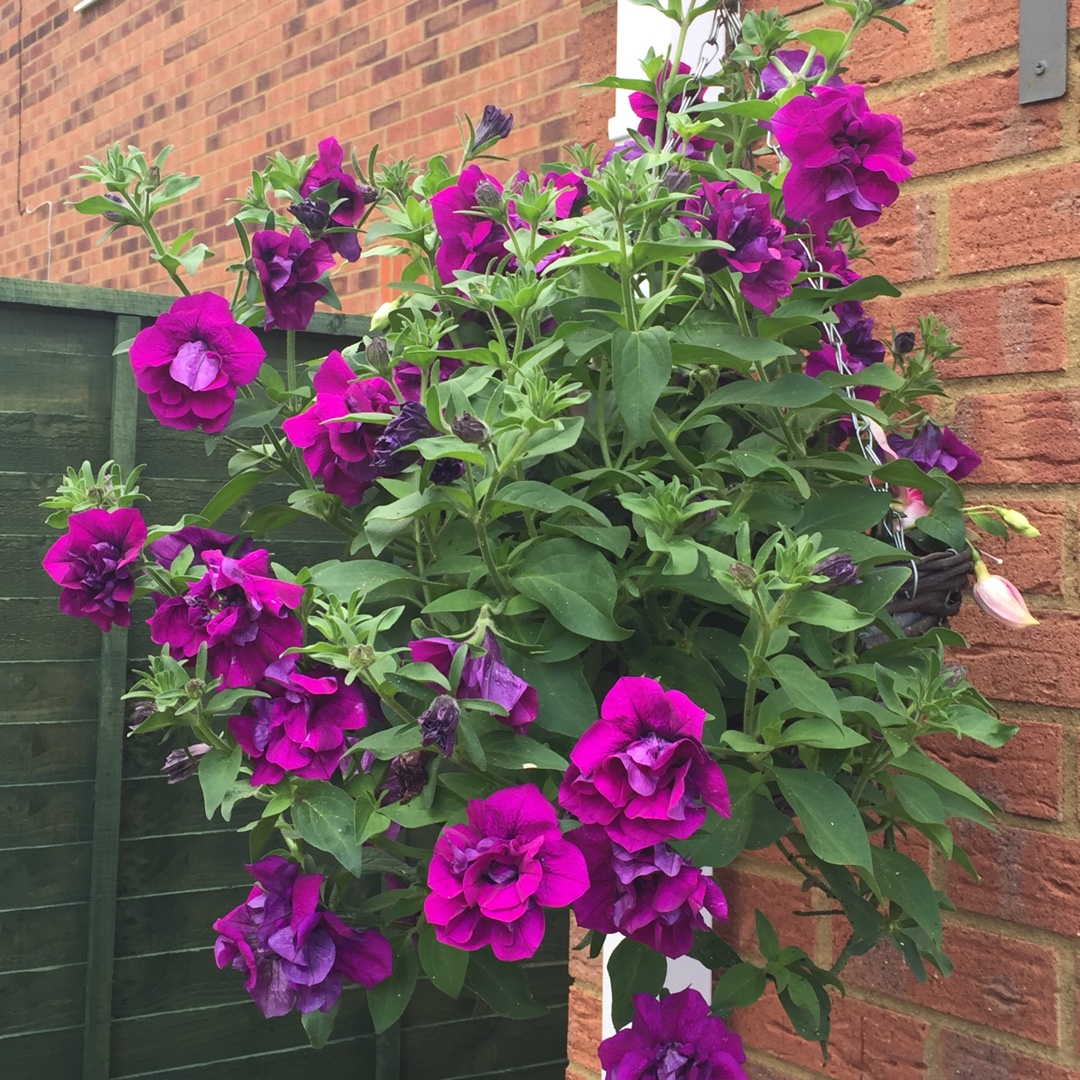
966 1058
518 39
777 899
996 126
1002 329
1016 992
1033 566
1031 878
1031 217
1024 438
902 243
1023 777
419 9
584 1027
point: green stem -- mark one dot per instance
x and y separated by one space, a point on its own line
601 414
677 455
290 360
625 276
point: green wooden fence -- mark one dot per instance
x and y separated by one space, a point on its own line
109 878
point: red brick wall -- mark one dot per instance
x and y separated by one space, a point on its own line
228 82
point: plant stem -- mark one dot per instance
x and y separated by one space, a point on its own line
290 360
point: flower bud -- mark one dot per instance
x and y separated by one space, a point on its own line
494 125
361 656
439 724
743 575
194 687
488 195
140 713
955 675
470 429
377 354
904 342
884 5
180 764
118 217
839 569
381 319
367 761
313 214
1000 598
368 194
1017 522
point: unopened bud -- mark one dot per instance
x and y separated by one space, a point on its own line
884 5
1017 522
955 674
361 656
118 217
377 354
839 569
494 125
180 764
488 195
904 342
471 429
368 194
140 713
194 687
743 575
313 214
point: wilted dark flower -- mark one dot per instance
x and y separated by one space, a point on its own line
904 342
313 214
410 424
141 712
447 470
494 125
182 763
439 723
406 778
470 429
839 569
955 675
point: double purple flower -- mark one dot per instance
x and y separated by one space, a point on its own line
485 677
469 239
190 362
238 611
348 195
491 878
654 896
300 729
294 953
845 161
94 564
936 447
641 771
289 269
647 108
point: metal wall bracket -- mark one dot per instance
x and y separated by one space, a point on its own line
1044 49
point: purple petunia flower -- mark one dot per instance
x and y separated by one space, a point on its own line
190 362
410 425
295 953
350 199
654 896
301 728
485 677
289 268
94 564
647 108
491 878
673 1039
937 448
238 611
467 240
408 378
846 161
743 219
340 452
165 550
641 770
773 80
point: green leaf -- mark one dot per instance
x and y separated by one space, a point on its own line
878 587
509 750
458 600
575 583
787 392
504 987
396 740
767 824
319 1025
768 942
807 690
230 494
830 821
640 369
533 495
445 966
918 764
853 507
902 880
388 1000
344 579
633 969
919 800
325 817
566 703
819 732
720 839
821 609
218 770
739 987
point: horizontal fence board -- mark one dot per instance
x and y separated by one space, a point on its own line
47 753
46 1055
43 441
23 493
32 1000
38 630
151 924
30 878
84 389
69 334
42 937
153 807
170 982
177 863
21 572
48 691
35 814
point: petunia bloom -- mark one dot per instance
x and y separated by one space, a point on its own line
673 1039
654 896
641 770
1000 598
845 161
773 80
191 361
295 953
491 878
647 108
165 549
468 239
485 677
936 447
301 728
348 196
744 220
94 564
289 268
340 452
238 611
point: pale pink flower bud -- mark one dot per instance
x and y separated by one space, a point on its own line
1000 598
910 505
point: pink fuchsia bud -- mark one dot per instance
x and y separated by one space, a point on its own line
1000 598
910 505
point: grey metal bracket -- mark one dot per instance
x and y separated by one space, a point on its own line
1044 49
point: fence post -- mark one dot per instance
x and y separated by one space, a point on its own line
110 750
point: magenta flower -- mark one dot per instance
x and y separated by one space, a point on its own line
744 220
673 1039
491 878
937 448
647 107
289 268
641 770
408 378
238 611
468 240
94 564
846 161
773 80
349 198
341 452
485 677
165 550
295 953
190 362
654 896
301 728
